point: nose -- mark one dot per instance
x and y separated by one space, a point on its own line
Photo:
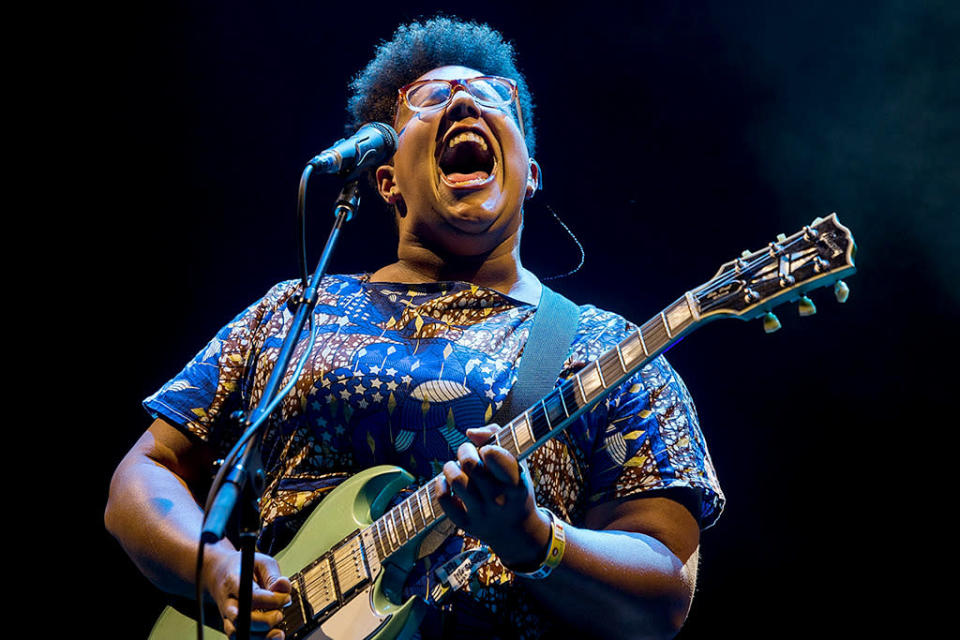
462 105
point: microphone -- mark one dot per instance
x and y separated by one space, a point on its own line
372 145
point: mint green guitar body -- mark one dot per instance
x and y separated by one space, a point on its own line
369 613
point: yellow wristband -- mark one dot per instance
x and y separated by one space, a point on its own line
558 544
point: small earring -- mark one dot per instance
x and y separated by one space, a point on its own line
539 174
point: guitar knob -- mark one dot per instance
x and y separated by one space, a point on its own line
770 323
841 290
807 308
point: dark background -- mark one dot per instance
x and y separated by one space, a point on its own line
672 136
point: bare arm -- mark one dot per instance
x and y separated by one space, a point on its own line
629 573
635 561
152 510
153 513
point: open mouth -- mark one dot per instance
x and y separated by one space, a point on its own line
466 160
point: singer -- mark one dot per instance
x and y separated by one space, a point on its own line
595 534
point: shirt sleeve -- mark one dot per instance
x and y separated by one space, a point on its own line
200 399
649 439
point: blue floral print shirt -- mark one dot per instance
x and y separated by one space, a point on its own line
396 376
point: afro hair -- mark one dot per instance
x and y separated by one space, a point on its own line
419 47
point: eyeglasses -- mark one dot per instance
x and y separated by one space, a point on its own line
489 91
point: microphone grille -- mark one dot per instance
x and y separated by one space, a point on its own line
388 133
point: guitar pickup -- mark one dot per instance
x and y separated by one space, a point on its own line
319 589
350 565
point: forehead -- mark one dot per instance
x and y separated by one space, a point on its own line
450 72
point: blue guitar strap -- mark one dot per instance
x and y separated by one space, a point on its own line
554 326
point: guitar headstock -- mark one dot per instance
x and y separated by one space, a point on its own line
818 255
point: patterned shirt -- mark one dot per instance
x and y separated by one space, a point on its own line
397 374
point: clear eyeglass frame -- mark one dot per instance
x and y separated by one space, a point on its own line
472 86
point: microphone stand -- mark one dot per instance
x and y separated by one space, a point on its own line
241 474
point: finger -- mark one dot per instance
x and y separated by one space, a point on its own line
502 465
269 574
260 620
229 629
266 599
481 435
451 505
461 486
482 485
468 457
229 610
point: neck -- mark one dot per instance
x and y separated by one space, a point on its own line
499 269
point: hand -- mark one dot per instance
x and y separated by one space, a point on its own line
271 592
489 495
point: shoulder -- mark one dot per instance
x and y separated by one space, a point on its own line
598 331
281 300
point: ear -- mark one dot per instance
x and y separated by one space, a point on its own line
386 184
534 179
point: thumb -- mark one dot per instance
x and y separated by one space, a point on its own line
269 575
480 435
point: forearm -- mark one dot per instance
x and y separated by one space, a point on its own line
156 519
618 584
641 587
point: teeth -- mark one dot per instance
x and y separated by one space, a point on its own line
468 135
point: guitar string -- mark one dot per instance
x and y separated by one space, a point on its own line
324 578
349 560
713 285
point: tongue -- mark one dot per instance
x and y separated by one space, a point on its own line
466 177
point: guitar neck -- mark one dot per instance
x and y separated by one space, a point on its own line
526 432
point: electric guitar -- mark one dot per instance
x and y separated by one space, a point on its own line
349 561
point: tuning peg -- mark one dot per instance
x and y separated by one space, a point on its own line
781 237
745 253
807 308
841 290
770 323
816 221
